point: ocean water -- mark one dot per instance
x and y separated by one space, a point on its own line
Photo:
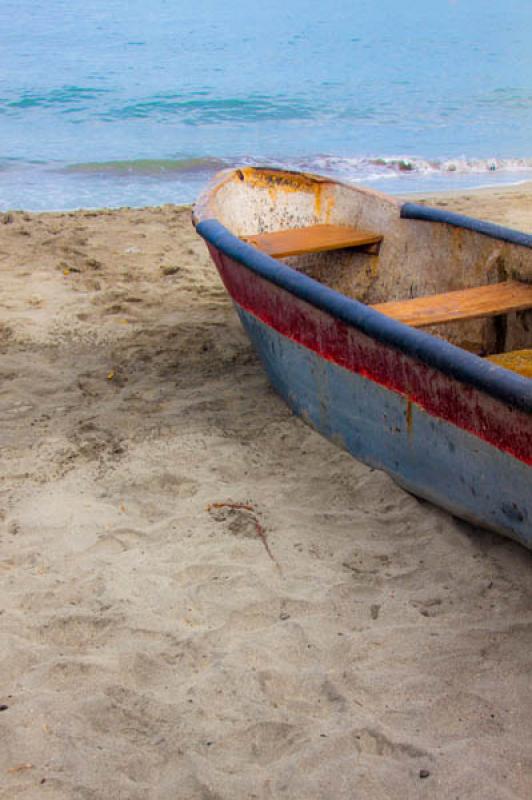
128 102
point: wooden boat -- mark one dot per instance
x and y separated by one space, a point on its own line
401 332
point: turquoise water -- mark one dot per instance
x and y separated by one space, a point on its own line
136 103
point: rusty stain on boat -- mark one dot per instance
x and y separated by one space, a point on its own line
409 420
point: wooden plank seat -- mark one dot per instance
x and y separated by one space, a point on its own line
312 239
480 301
517 361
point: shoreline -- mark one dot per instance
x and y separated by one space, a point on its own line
152 647
479 190
498 201
115 195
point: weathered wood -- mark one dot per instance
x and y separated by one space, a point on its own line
481 301
312 239
517 361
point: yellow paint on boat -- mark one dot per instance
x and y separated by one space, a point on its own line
287 181
317 200
329 207
290 182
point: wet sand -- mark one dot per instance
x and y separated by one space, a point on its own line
200 597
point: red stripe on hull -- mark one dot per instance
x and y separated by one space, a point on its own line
439 394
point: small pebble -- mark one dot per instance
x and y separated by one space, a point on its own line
284 615
3 707
424 773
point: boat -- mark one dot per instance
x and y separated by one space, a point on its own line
401 332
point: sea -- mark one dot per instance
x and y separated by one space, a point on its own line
139 102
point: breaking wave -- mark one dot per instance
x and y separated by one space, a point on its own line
374 168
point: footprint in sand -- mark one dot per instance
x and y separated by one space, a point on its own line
80 631
117 541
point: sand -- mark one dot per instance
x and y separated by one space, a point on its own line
333 637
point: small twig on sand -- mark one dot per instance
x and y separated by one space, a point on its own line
20 768
261 532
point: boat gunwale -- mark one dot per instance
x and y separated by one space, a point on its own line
468 368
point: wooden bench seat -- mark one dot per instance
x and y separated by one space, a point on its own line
312 239
517 361
481 301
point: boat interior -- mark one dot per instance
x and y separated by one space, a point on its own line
473 289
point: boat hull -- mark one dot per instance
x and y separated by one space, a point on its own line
453 444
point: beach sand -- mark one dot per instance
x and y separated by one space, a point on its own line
334 638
